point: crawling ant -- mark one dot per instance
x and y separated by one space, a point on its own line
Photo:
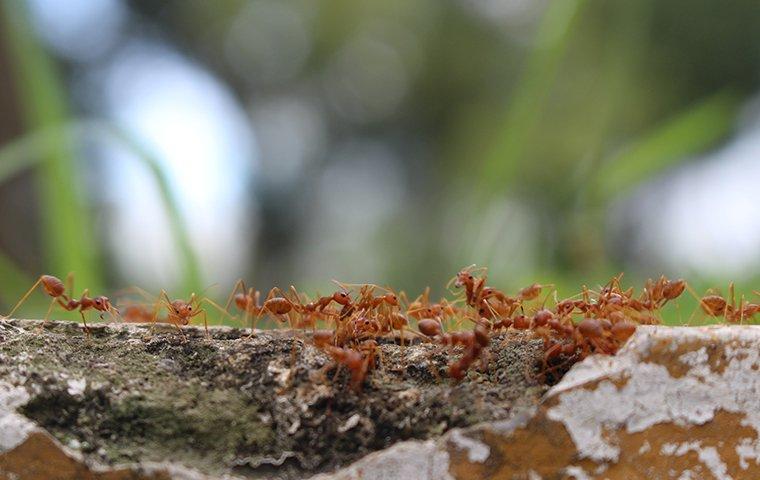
56 289
247 300
359 361
474 343
180 312
136 313
279 305
473 286
101 304
717 306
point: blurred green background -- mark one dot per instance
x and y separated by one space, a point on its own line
184 144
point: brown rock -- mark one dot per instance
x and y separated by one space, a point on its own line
675 403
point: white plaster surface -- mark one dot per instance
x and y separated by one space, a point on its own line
650 395
14 428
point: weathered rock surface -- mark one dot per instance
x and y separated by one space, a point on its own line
128 404
675 403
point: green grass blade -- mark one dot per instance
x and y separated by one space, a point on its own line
67 236
526 104
26 152
690 132
192 280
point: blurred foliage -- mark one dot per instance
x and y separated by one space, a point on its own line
67 236
29 151
511 128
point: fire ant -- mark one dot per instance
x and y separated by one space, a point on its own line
279 305
248 300
358 362
717 306
473 286
136 313
474 343
367 300
180 312
56 289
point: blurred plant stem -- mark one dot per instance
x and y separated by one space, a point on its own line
27 152
689 132
527 100
67 235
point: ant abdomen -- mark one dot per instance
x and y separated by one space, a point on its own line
429 327
53 285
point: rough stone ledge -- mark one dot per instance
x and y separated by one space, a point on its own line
675 403
681 403
30 452
107 405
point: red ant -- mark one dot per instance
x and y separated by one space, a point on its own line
55 288
136 313
473 286
280 305
357 362
180 312
716 306
474 342
248 300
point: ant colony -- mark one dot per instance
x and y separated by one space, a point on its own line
351 324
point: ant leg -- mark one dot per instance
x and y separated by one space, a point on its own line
237 286
115 317
201 311
23 298
337 371
221 310
381 358
84 320
254 319
246 314
47 315
179 329
162 297
205 323
699 303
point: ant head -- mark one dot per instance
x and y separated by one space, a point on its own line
464 277
102 304
391 299
341 297
181 309
369 325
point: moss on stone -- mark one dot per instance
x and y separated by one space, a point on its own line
251 406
